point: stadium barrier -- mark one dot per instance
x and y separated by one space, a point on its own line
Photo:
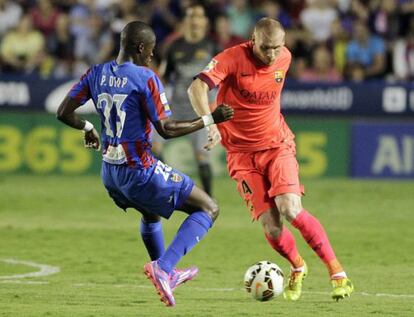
332 139
376 98
382 150
37 143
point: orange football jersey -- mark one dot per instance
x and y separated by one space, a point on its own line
253 90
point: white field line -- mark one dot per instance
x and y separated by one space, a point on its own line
45 270
23 282
49 270
205 289
367 294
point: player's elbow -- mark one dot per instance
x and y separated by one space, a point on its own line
167 129
60 115
62 112
165 133
168 136
63 117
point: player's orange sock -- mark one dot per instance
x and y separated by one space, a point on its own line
314 234
285 245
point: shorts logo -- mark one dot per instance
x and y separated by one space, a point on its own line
176 177
279 76
210 65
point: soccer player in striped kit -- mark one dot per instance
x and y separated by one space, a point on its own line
129 97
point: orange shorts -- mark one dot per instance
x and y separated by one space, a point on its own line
263 175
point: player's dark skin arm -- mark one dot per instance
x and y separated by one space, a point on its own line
168 128
66 114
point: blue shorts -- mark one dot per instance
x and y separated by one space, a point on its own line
159 189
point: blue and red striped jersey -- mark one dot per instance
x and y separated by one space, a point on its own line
128 98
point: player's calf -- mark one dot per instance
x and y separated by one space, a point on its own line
280 238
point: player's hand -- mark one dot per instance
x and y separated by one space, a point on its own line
222 113
214 137
91 139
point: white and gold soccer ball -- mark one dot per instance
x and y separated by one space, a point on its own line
264 281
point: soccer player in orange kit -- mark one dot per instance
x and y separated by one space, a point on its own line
261 153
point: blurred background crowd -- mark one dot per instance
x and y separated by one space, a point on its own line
331 40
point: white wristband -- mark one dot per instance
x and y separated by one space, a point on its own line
207 119
88 126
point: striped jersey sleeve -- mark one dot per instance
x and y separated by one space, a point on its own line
155 101
81 91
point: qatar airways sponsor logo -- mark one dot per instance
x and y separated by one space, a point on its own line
335 99
259 97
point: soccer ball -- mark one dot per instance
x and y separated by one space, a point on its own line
264 281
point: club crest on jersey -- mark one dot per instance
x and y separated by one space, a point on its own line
176 177
210 65
279 76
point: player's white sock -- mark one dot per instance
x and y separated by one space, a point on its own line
339 275
297 269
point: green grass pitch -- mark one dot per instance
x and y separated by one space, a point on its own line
70 223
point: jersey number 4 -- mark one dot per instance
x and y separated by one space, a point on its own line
105 103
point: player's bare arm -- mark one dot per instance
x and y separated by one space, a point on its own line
66 114
169 128
198 95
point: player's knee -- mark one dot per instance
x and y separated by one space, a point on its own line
212 209
289 206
